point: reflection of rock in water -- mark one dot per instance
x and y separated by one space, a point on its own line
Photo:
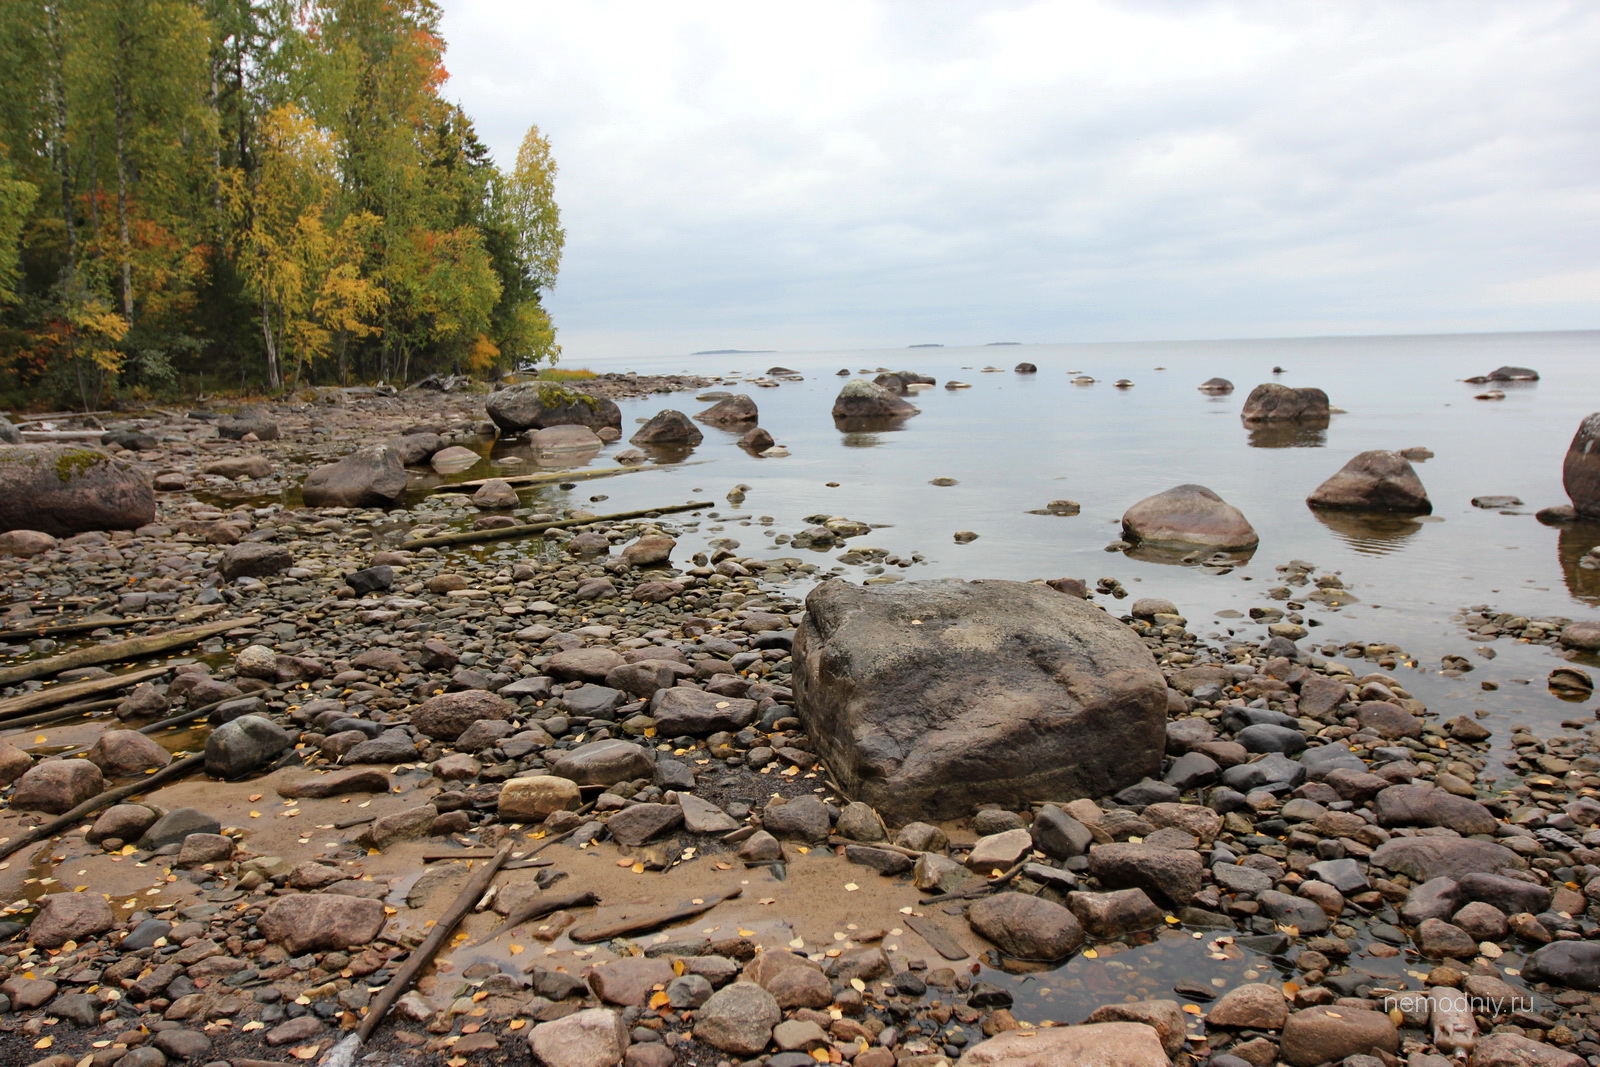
664 455
1372 533
1298 433
862 431
1193 556
1575 541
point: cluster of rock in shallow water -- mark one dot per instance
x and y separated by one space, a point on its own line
669 715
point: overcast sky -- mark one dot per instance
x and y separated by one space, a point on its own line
861 174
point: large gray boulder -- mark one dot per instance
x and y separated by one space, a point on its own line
861 399
1271 402
668 427
371 476
248 422
929 698
244 746
536 405
731 412
1580 474
66 489
1378 480
9 434
1188 516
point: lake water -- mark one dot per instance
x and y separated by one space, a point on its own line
1015 442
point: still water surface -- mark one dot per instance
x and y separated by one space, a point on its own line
1015 442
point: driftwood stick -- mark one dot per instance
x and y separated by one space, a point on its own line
988 887
55 826
423 954
60 714
120 651
469 537
525 481
911 853
156 727
540 906
61 694
46 629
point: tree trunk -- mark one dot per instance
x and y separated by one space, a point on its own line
274 374
59 152
120 109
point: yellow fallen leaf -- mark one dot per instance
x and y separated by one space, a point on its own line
850 887
1192 1009
304 1052
255 815
516 950
44 1042
516 1024
747 933
254 1024
637 868
1091 954
658 1000
858 985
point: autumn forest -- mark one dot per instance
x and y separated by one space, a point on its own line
254 195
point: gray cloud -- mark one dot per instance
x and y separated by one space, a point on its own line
842 174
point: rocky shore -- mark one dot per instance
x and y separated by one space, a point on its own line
1285 857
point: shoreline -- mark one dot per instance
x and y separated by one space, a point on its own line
497 611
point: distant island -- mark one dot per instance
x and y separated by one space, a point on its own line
924 346
733 352
996 344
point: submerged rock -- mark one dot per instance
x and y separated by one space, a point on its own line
929 698
1377 480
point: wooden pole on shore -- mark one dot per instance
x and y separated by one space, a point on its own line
118 651
469 537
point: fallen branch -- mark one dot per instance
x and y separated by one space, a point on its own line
468 537
119 651
540 906
44 718
344 1052
648 917
45 629
55 826
998 882
525 481
835 840
12 707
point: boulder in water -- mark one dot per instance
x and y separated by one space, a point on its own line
730 412
929 698
1271 402
67 489
1188 516
371 476
569 437
1373 481
1513 374
1580 474
1216 386
863 399
536 405
668 427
